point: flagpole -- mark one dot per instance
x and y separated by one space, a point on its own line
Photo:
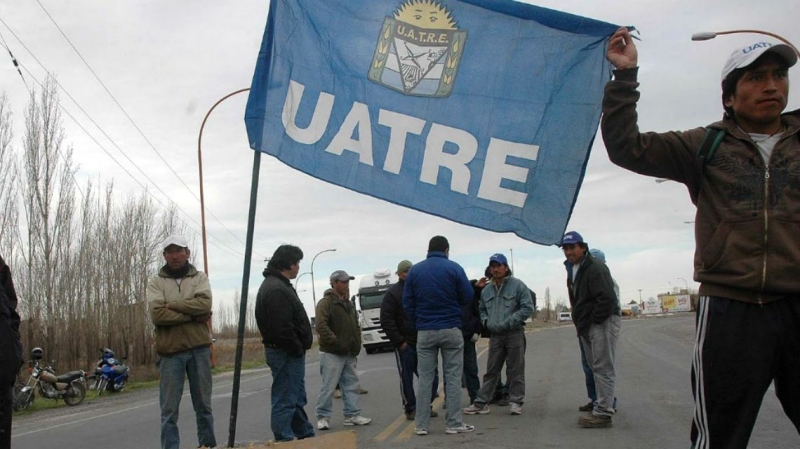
248 252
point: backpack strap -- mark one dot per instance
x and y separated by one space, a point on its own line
709 146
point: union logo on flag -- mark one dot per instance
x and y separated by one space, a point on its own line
418 50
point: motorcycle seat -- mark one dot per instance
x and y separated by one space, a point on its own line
70 376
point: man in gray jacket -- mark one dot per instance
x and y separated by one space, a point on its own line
505 305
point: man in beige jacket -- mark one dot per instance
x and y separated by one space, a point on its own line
180 307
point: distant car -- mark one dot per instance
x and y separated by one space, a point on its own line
564 316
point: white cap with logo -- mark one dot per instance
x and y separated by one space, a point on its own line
743 57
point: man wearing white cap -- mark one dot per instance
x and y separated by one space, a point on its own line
180 307
339 344
745 183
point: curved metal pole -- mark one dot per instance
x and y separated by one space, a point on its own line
200 169
706 35
313 291
203 204
685 283
297 279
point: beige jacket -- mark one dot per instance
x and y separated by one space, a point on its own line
175 330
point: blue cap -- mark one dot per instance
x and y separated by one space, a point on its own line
499 258
571 238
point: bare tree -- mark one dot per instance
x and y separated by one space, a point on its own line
9 211
48 193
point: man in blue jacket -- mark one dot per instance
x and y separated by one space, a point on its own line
505 305
435 290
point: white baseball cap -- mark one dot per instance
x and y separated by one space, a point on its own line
175 239
743 57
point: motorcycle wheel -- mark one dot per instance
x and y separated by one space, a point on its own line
76 392
22 400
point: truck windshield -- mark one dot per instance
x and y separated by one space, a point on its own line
371 300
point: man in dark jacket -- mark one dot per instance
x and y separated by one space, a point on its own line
286 334
403 335
10 350
339 344
471 331
746 257
435 291
597 316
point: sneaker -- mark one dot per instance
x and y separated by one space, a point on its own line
323 424
586 408
362 390
516 409
434 414
337 393
503 402
594 421
475 410
463 428
356 420
411 415
420 431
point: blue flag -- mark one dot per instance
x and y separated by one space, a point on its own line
479 111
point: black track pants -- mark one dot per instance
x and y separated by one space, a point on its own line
740 349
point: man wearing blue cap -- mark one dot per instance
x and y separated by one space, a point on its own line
505 305
744 182
597 317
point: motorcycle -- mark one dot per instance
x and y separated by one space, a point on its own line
109 373
69 386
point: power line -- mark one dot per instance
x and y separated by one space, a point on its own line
130 119
235 252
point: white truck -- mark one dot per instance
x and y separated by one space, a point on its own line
370 295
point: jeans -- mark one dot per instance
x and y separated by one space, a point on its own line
589 376
289 419
451 344
471 369
600 345
173 369
407 368
508 348
337 369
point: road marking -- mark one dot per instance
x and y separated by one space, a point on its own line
127 409
390 429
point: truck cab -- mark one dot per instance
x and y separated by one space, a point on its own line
369 298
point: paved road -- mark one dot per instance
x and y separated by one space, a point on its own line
654 403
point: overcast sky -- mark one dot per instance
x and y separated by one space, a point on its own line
167 63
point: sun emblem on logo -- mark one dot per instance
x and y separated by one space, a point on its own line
418 50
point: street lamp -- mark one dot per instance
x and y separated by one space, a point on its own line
313 290
685 283
297 279
706 35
